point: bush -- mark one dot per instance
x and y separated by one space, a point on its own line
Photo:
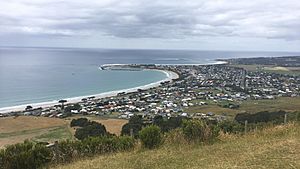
197 130
25 155
175 136
125 143
65 151
81 122
150 136
92 130
91 146
168 124
29 155
231 127
135 124
265 117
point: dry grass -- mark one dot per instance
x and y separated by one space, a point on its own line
282 103
113 125
14 124
17 129
277 147
213 108
251 106
18 137
271 69
280 68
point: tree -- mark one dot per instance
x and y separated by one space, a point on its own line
81 122
135 124
92 130
167 124
29 107
67 109
62 102
151 136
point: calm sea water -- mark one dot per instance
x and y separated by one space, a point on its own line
32 75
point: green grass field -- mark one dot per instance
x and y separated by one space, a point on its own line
271 69
55 134
276 147
250 106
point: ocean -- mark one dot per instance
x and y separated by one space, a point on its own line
34 75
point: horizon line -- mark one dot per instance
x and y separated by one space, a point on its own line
183 49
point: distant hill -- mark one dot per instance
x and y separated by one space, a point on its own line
286 61
275 147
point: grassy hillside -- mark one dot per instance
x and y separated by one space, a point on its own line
250 106
271 69
277 147
17 129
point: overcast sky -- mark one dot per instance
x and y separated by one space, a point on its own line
272 25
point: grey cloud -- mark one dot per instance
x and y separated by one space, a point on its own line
170 19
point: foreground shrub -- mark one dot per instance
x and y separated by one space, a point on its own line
125 143
25 155
198 130
70 150
168 124
29 155
150 136
135 124
231 127
175 136
65 151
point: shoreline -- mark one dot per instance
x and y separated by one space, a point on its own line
170 76
216 62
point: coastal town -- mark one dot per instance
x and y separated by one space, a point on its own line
192 85
150 84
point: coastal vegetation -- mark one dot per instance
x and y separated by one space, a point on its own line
271 147
195 132
151 136
30 155
133 126
17 129
93 129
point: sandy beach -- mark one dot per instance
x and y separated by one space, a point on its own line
170 76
